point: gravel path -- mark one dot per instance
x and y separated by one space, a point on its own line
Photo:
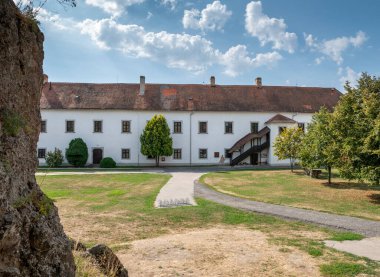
362 226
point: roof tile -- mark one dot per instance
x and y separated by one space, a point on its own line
181 97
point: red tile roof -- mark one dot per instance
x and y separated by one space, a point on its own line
279 118
178 97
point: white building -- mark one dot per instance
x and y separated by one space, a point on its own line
210 124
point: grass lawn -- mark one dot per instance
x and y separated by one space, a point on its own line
118 209
298 190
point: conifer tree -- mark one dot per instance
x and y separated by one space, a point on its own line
155 139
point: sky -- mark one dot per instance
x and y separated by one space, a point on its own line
318 43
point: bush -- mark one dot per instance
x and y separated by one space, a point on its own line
54 158
77 153
107 162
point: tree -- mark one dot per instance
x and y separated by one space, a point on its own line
318 147
356 126
155 139
288 143
77 153
54 158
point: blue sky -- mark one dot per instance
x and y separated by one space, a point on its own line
298 42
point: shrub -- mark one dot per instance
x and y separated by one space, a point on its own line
77 153
107 162
54 158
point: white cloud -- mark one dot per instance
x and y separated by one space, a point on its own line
349 75
183 51
149 15
319 60
22 2
309 40
54 20
334 48
213 17
113 7
268 30
171 3
237 59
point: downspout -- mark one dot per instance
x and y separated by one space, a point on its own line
191 114
138 142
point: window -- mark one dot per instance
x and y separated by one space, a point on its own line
301 126
41 153
281 129
43 126
126 126
226 154
70 126
216 154
98 128
203 153
254 127
228 127
203 127
177 154
125 154
177 128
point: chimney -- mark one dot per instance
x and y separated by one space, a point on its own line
212 81
46 79
142 85
190 104
258 81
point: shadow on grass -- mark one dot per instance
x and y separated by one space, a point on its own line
375 198
349 185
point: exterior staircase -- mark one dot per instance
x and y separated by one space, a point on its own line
249 138
250 151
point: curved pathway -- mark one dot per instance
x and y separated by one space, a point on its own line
362 226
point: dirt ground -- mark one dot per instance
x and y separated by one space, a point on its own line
218 251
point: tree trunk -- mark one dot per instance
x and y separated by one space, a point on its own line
32 241
157 161
329 171
291 164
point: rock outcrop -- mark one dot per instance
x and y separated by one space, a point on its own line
32 241
108 261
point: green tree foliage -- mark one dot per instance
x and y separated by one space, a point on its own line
107 162
77 153
318 147
54 158
288 144
155 139
356 126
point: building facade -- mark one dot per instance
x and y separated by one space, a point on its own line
210 124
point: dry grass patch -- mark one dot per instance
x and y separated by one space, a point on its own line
86 266
216 252
117 210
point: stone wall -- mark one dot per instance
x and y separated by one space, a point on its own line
32 241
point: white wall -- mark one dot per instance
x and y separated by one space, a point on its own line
112 140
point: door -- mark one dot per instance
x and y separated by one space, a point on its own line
255 158
97 155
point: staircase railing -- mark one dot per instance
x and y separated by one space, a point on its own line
250 151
